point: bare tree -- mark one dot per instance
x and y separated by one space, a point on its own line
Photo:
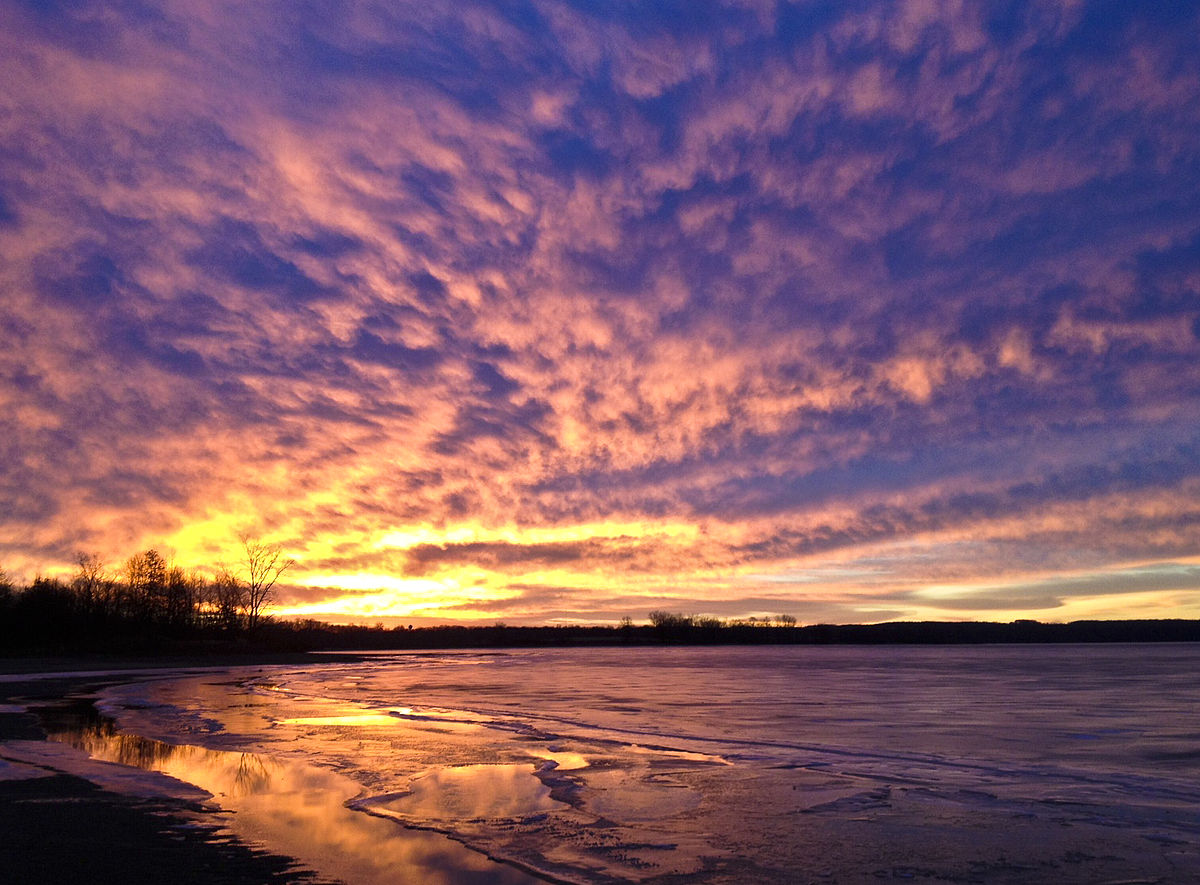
263 564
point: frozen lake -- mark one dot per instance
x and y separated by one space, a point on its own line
994 764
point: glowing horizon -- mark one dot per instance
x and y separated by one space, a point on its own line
549 314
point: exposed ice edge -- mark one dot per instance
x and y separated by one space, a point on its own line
51 758
369 805
115 700
12 770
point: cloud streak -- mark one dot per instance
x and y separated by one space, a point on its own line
609 309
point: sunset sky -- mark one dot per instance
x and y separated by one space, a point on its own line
555 312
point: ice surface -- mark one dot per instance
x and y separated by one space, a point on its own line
292 807
463 793
109 773
11 770
989 764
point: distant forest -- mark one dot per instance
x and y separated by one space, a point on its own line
147 603
151 607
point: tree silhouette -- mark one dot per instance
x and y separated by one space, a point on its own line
181 592
146 579
263 564
7 590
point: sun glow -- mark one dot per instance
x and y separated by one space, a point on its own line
363 582
367 605
408 538
372 595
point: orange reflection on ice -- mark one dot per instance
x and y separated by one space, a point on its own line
469 793
564 760
361 719
299 811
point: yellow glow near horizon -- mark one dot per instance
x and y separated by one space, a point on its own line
1150 604
363 574
362 581
366 605
461 590
512 534
376 595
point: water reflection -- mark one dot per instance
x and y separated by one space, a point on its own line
465 793
223 774
299 810
563 760
358 719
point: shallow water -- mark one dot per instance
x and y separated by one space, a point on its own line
987 764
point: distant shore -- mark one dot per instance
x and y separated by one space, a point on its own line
288 641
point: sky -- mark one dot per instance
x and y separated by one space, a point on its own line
551 311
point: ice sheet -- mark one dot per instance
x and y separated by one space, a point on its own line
1072 764
109 773
11 770
294 808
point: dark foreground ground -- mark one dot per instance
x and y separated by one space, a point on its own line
63 829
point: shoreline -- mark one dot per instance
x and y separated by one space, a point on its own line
67 820
102 665
59 827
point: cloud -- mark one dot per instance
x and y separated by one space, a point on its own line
809 280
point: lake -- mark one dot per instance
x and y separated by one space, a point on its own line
1011 764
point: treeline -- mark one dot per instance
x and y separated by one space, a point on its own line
677 627
148 603
151 607
782 629
691 630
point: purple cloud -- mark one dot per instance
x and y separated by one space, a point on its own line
783 286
